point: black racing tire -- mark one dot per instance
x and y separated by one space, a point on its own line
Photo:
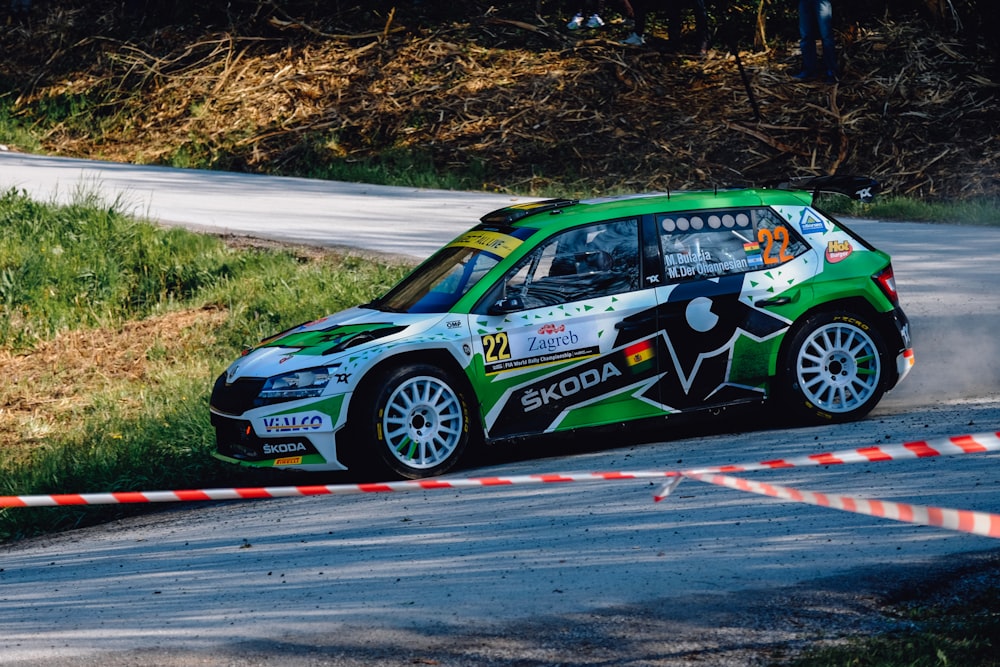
834 369
416 422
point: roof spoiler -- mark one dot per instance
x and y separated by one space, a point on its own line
512 214
859 188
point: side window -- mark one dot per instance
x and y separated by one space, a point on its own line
582 263
778 242
708 244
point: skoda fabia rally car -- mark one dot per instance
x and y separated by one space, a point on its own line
561 314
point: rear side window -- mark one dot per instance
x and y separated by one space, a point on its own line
709 244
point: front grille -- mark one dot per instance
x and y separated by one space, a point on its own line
238 397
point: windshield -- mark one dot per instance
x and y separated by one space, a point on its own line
437 284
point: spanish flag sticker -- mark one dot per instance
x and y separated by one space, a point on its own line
640 356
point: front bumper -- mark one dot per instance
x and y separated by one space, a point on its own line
237 442
298 435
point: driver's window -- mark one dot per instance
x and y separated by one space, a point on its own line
582 263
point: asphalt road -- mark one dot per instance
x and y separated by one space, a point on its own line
406 221
556 574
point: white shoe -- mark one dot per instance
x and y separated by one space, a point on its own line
595 21
634 40
575 22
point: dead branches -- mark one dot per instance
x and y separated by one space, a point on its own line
533 106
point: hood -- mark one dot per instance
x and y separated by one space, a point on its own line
313 343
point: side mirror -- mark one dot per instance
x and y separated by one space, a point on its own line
509 304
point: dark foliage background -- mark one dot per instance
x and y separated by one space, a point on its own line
501 96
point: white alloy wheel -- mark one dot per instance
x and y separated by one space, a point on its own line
838 368
422 424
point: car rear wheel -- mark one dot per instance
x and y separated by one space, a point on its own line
834 369
419 421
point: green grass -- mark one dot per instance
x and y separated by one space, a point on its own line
969 212
962 632
88 267
14 132
406 168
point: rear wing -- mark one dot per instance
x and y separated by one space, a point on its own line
859 188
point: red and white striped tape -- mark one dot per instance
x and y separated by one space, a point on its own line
257 493
979 443
978 523
975 522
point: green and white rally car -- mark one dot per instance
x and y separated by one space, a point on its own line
561 315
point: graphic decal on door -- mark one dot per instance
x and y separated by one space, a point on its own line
701 323
676 355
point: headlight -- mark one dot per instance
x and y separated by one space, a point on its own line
306 383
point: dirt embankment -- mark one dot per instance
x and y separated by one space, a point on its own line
508 102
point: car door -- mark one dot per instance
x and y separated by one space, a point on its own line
547 343
725 275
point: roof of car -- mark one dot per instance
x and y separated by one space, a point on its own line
570 211
792 191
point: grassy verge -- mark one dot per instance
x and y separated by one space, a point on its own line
960 628
13 131
111 333
969 212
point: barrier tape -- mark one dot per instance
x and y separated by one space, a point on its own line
257 493
979 523
963 444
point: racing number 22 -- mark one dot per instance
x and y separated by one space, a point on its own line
769 237
496 347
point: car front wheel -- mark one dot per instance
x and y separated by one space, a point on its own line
834 369
419 420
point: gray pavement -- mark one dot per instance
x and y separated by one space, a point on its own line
405 221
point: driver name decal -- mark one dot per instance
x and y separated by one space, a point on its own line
681 265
